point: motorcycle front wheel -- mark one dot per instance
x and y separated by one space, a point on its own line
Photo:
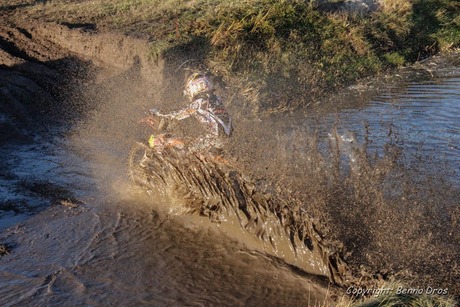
137 157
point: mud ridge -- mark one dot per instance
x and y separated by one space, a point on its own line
45 66
43 42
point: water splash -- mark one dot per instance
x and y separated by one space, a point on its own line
201 184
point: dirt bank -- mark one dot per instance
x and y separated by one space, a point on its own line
266 47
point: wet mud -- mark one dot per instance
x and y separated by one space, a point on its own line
137 256
295 212
198 183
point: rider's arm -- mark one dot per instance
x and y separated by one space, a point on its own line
179 115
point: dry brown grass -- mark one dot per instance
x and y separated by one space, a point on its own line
265 47
401 7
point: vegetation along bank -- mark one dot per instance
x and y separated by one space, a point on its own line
277 52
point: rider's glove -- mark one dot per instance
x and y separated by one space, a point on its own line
154 111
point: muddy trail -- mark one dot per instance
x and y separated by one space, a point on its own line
295 216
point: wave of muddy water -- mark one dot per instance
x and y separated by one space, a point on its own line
80 232
196 183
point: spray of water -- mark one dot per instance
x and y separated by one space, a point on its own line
316 199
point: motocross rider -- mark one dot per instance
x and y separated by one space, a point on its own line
207 107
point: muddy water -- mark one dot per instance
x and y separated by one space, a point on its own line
419 111
133 257
106 241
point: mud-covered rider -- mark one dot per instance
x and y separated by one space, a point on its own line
207 107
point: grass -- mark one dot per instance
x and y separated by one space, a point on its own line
279 53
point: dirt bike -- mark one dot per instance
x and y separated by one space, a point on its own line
158 141
196 182
163 161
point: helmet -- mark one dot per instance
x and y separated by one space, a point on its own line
198 84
